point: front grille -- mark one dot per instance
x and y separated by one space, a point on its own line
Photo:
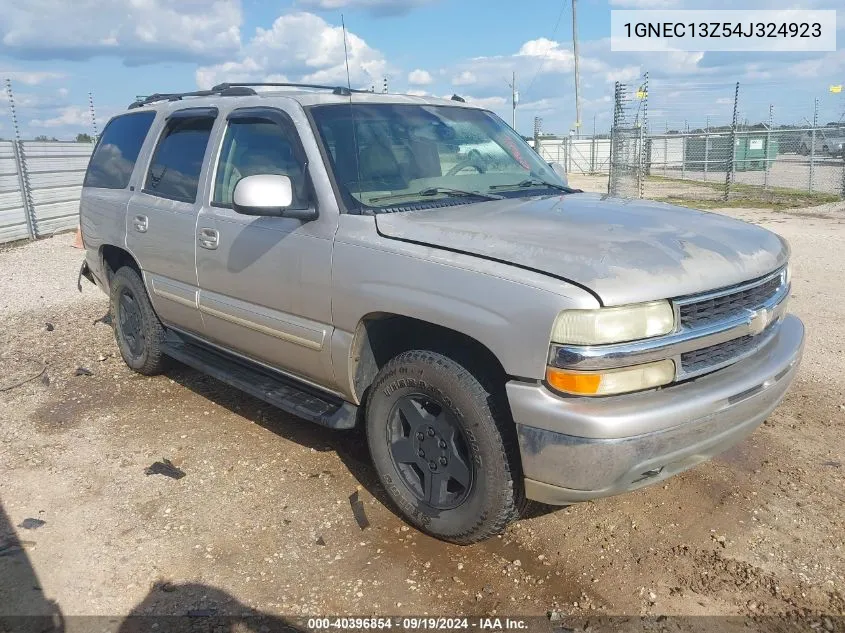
716 355
730 305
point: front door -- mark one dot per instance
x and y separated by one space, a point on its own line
265 281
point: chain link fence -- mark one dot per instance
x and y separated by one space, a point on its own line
724 159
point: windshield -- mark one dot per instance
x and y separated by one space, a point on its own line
398 155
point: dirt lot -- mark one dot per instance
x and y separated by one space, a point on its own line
262 518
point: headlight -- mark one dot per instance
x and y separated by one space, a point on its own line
611 381
788 276
614 325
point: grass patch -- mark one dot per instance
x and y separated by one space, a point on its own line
744 203
742 195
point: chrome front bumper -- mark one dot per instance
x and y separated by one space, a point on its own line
581 448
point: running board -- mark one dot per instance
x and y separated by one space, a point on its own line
280 391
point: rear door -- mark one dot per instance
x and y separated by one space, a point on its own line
161 219
265 281
106 189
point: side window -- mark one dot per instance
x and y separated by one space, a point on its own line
115 155
253 146
175 168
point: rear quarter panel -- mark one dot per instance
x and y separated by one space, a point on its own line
102 214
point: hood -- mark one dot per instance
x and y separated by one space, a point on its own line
625 251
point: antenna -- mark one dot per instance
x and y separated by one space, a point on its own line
351 113
346 58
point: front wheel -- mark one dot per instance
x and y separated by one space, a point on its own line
444 446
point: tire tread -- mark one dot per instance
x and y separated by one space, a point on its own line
490 398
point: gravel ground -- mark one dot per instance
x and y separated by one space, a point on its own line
262 520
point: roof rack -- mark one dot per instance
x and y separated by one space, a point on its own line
223 90
338 90
237 90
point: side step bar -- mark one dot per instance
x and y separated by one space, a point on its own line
285 393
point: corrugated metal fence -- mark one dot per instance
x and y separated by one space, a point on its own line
14 223
40 185
577 155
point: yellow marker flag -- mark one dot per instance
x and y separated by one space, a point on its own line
642 94
836 89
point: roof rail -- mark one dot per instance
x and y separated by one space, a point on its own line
338 90
224 90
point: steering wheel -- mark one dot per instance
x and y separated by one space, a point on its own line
473 159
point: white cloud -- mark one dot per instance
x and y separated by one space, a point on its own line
416 93
67 116
139 31
304 47
466 78
420 77
30 78
379 7
486 102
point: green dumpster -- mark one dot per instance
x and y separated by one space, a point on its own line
752 152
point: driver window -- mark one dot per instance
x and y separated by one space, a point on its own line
257 146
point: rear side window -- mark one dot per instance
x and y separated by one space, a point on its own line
175 169
114 158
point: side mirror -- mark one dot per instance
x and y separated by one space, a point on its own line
560 170
267 195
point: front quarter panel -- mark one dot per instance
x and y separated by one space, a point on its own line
507 309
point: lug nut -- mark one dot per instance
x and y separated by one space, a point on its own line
421 453
442 461
420 436
430 432
432 465
442 444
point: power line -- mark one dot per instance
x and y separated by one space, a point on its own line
550 47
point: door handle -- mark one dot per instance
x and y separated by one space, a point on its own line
209 238
141 223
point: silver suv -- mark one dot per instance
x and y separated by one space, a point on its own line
355 259
825 141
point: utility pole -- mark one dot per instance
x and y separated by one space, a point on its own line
577 76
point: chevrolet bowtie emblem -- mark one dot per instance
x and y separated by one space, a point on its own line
758 321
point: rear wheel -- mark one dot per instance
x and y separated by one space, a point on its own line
444 446
137 330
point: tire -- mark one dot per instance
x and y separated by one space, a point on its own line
425 408
137 330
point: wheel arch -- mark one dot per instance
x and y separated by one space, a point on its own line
380 336
113 258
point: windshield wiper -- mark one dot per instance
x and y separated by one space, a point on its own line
534 182
433 191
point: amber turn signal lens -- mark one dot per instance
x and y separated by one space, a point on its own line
587 384
611 381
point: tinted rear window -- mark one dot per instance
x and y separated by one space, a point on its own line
177 162
114 159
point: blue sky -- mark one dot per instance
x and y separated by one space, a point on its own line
56 51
